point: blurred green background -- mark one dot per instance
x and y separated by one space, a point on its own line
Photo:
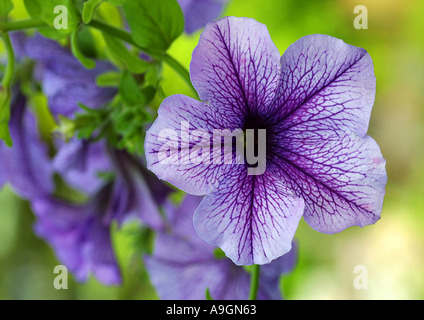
392 250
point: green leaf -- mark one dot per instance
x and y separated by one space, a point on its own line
88 63
5 7
154 24
128 124
60 15
208 294
153 74
117 2
5 98
108 79
86 43
33 8
5 89
120 53
148 94
131 94
129 90
84 124
88 10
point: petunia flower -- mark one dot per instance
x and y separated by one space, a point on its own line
26 165
313 104
197 13
79 237
80 232
80 162
65 81
183 266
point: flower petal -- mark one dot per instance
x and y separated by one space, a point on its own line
251 218
80 162
235 67
181 218
26 165
183 266
325 81
80 239
170 156
65 81
340 176
198 13
282 265
135 192
189 281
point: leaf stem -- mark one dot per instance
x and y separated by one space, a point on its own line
126 36
6 90
10 67
23 24
113 31
254 282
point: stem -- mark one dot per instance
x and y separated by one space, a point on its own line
6 91
24 24
254 282
8 75
126 36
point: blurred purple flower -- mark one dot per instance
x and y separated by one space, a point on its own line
65 81
80 233
197 13
18 40
314 103
80 162
79 237
183 266
26 165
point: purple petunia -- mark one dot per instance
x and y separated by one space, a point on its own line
26 165
80 162
314 105
112 186
197 13
79 236
66 82
183 266
80 232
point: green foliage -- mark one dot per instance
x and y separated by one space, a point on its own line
5 88
132 94
89 9
88 63
60 15
109 79
117 2
5 7
122 122
5 97
154 24
120 53
129 127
